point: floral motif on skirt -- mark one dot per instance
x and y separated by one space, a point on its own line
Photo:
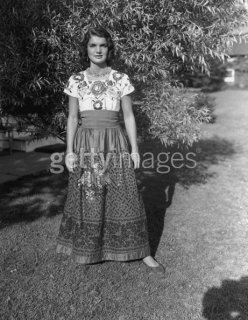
104 216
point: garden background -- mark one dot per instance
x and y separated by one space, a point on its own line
197 218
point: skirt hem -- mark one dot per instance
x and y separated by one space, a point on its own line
141 253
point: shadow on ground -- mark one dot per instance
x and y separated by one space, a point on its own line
206 152
158 178
31 197
228 302
157 192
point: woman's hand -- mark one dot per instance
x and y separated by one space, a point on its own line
136 159
71 161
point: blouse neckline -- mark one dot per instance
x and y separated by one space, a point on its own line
103 78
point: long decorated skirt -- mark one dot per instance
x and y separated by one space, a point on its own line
104 216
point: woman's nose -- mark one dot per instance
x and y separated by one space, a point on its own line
98 49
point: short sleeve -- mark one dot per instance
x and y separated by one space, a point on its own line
71 87
126 86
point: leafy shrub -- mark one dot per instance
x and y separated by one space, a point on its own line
176 115
156 43
207 82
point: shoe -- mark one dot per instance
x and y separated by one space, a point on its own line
159 270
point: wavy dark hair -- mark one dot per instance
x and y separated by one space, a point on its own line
99 32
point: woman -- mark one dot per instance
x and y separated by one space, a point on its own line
104 216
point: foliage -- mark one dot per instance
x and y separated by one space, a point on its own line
177 116
240 66
208 83
156 42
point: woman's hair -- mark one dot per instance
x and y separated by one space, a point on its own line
99 32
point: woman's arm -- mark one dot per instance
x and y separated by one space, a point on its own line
130 125
72 122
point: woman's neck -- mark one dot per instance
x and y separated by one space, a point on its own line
94 68
98 72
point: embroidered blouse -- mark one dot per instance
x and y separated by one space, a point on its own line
102 94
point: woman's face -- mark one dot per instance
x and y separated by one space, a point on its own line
97 49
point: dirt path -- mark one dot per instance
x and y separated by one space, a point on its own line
207 224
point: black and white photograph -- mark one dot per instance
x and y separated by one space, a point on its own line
124 160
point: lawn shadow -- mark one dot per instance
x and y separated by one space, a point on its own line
205 153
157 184
31 197
227 302
157 192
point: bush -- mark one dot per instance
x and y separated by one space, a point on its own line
176 115
208 83
156 42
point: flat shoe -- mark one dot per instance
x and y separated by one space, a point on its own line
156 270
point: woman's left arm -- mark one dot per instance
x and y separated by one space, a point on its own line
131 129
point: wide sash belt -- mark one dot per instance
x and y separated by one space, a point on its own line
99 119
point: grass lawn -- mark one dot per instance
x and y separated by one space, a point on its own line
197 226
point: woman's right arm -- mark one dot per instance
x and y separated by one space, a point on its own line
72 123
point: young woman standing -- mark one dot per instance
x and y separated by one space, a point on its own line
104 216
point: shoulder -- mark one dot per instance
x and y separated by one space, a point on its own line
122 82
119 77
74 83
77 77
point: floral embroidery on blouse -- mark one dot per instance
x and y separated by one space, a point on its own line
78 77
113 93
109 83
98 87
82 89
99 94
97 105
117 75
